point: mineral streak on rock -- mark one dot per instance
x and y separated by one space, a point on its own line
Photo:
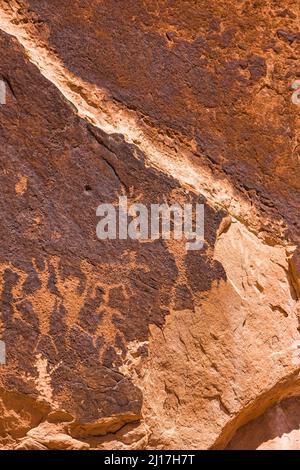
128 344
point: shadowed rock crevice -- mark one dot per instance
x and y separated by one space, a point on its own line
277 428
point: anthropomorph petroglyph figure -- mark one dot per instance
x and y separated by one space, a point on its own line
2 352
296 94
2 92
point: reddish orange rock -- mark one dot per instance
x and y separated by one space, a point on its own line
125 344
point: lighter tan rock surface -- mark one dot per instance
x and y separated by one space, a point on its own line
276 429
131 345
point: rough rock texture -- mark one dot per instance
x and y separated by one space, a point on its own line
127 344
276 429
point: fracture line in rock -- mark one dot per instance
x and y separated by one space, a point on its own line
94 105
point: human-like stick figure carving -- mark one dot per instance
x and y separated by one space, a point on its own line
296 94
2 352
2 92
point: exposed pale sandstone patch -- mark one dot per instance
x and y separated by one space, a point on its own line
21 185
207 370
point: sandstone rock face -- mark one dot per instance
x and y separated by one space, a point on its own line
128 344
276 429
